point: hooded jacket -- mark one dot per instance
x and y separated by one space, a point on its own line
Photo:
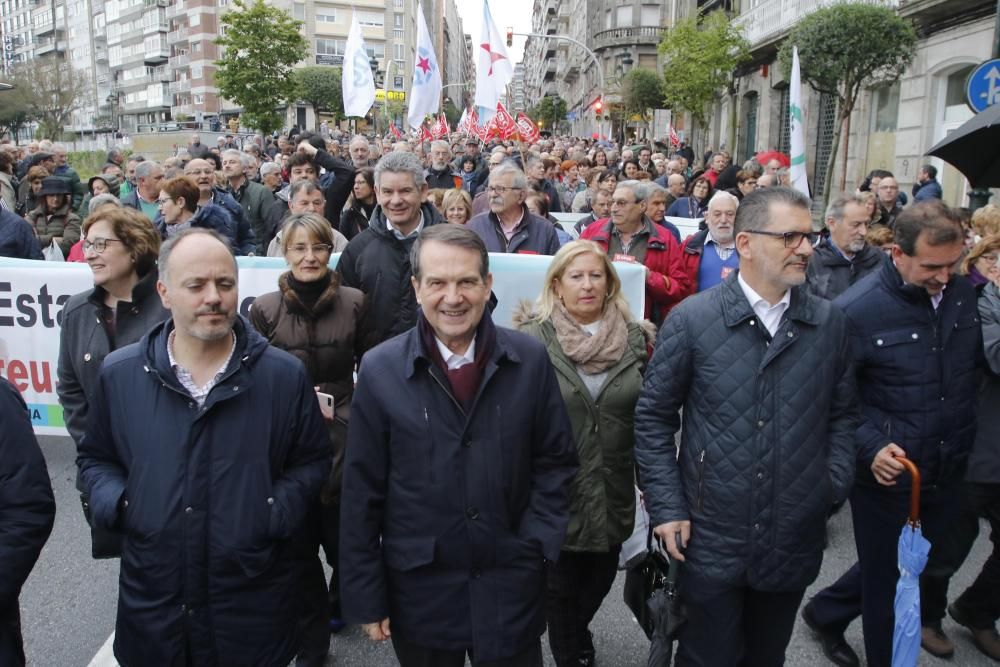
210 500
378 264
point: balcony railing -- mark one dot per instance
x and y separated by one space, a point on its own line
178 35
180 86
770 19
186 109
175 10
628 36
180 60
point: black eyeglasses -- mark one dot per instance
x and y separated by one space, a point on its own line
98 245
791 239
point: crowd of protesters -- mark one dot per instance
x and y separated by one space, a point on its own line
470 485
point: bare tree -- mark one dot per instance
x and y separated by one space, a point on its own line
52 92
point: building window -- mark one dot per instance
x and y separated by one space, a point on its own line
398 34
650 15
326 15
196 72
397 21
955 108
376 51
885 108
298 11
199 98
397 52
329 47
624 16
398 4
371 19
607 20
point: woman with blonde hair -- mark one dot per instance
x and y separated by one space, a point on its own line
599 352
986 221
981 261
457 206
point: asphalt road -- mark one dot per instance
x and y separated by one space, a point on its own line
68 604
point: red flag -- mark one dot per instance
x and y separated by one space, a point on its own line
526 127
674 139
440 129
425 134
506 127
395 132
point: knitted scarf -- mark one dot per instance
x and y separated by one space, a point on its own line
597 353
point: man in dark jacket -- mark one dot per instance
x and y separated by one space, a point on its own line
17 238
196 149
208 477
68 174
27 512
255 199
976 608
843 258
203 173
377 261
761 369
887 193
148 176
336 183
455 497
927 187
509 227
440 174
535 170
918 346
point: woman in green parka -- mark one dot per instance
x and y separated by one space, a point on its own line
599 353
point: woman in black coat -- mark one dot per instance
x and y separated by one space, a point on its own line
121 248
358 211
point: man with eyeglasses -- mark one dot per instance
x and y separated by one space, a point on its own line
631 236
844 257
509 226
202 172
918 345
887 193
762 371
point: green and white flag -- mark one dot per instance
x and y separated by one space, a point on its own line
800 181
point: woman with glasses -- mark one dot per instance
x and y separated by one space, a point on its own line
121 248
979 264
178 202
323 324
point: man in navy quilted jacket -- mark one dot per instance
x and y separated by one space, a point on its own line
762 371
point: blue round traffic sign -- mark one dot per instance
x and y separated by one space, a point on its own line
982 88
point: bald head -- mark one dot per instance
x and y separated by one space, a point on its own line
675 185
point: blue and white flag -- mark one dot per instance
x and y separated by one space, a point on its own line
425 95
357 82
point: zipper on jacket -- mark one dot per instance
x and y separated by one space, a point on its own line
701 480
446 391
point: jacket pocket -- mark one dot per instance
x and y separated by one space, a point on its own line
892 339
408 553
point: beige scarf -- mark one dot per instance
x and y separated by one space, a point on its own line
597 353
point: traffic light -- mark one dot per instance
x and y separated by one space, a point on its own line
598 107
510 36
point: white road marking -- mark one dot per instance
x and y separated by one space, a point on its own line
106 656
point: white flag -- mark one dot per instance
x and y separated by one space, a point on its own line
493 68
425 95
357 81
800 181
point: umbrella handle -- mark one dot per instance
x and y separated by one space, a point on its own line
911 467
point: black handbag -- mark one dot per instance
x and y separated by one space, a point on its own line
103 543
645 574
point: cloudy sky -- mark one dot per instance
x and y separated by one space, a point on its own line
506 13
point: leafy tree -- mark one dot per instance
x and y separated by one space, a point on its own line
14 112
320 86
451 112
845 48
51 93
642 90
261 46
551 110
701 54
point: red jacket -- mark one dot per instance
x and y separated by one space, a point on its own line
667 281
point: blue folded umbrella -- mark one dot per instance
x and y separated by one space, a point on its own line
912 554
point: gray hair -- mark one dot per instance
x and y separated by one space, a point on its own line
452 235
440 144
59 148
232 152
655 189
269 167
145 168
305 184
640 189
401 162
723 196
167 249
754 213
520 180
835 210
358 138
101 200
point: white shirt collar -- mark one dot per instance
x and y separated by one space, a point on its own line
453 360
711 239
769 315
399 235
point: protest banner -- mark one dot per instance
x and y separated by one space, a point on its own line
32 294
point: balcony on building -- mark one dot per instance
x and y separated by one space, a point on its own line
176 9
179 35
153 24
156 51
180 60
185 109
47 28
49 46
180 86
770 20
624 37
550 7
130 9
550 70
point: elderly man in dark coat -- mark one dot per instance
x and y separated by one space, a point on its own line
208 475
762 371
844 257
27 511
457 473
